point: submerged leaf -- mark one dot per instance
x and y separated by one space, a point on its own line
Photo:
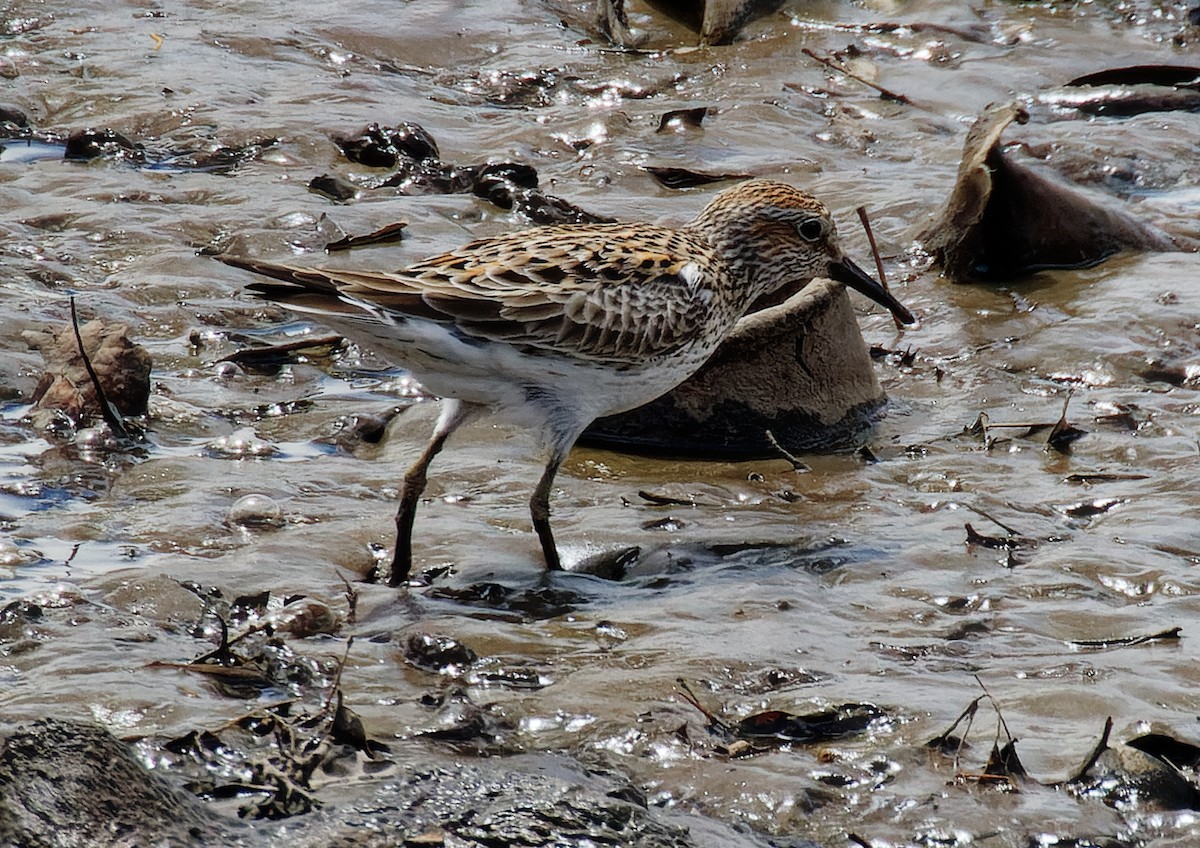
687 178
821 726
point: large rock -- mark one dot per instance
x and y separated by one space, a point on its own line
800 370
66 784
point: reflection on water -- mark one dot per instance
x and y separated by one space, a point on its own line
762 586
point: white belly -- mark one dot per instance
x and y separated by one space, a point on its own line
520 385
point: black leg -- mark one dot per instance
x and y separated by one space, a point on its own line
454 413
539 508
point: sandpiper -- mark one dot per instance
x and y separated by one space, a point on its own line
552 327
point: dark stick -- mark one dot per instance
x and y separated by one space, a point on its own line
866 225
797 465
107 410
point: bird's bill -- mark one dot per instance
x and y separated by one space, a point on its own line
845 271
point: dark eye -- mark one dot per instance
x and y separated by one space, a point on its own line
811 230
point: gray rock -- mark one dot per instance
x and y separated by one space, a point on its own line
66 784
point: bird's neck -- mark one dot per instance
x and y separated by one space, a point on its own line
728 242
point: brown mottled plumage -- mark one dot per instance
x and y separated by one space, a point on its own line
553 327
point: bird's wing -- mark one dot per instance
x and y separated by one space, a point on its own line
593 291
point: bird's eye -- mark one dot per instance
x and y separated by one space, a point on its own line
812 229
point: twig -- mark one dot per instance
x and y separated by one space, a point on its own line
982 776
1010 531
221 654
1063 434
841 69
686 692
968 714
1100 747
890 26
866 225
1023 425
109 412
664 500
336 683
797 465
258 712
999 714
351 598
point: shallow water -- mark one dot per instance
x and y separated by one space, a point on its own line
852 582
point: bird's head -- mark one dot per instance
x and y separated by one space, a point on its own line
778 238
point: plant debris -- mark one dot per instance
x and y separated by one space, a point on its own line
772 728
1003 768
1063 434
437 653
1090 509
536 604
840 67
412 153
384 147
1171 634
678 119
665 500
94 372
334 187
274 355
688 178
388 234
974 537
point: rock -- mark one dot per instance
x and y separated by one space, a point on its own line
800 369
65 783
95 143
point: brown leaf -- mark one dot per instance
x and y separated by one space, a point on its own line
390 233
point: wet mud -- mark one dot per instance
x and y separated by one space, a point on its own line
919 642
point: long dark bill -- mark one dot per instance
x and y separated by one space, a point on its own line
845 271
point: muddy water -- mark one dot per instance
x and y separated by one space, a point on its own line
851 582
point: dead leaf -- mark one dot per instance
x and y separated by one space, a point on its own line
687 178
390 233
1005 219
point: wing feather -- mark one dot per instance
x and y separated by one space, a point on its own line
608 291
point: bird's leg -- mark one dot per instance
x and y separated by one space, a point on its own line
539 508
454 413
